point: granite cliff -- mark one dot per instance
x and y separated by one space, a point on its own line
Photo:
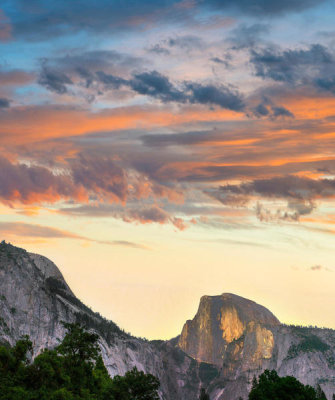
243 339
230 339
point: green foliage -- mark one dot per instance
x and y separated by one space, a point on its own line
270 386
308 344
74 370
203 395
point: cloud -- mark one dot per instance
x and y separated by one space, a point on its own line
152 84
269 8
51 19
55 81
132 212
289 187
319 268
266 108
156 85
152 214
186 43
5 27
83 177
21 229
4 103
248 36
300 194
220 95
291 212
15 77
99 176
313 66
30 184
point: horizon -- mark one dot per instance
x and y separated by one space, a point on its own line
157 151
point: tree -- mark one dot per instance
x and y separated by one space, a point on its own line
320 394
134 385
272 387
74 370
203 394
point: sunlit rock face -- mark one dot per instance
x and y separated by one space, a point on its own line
222 320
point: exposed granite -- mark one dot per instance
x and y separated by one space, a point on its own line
230 339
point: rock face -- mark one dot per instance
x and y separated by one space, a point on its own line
230 339
243 339
221 320
35 300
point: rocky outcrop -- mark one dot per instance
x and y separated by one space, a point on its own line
230 339
224 319
35 300
243 339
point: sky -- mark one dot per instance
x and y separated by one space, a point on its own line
158 151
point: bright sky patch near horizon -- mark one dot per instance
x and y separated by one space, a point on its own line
161 151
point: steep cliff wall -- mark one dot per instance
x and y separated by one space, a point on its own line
243 339
35 299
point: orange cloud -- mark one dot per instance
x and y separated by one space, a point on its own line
23 125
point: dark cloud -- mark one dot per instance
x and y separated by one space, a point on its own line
49 19
43 19
110 81
300 194
4 103
22 229
270 8
156 85
152 84
289 187
55 81
186 42
220 60
248 36
220 95
312 66
159 49
281 112
268 109
327 84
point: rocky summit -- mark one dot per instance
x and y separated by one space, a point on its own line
222 320
228 342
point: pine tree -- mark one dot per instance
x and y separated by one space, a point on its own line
320 394
203 395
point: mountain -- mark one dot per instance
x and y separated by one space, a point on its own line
230 339
222 320
243 338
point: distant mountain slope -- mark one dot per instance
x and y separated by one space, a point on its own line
35 299
230 340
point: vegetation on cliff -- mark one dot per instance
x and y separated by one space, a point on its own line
74 370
